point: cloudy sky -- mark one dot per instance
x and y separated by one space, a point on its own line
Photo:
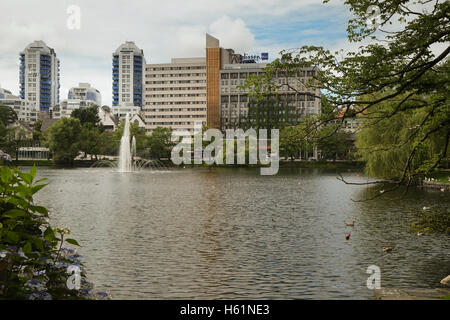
163 29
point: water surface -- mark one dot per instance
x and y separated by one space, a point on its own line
231 233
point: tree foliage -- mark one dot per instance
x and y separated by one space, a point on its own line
87 115
160 142
7 115
400 69
29 253
63 139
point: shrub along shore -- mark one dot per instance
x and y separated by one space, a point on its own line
34 264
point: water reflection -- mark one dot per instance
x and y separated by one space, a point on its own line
231 233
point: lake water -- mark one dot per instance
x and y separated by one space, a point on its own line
233 234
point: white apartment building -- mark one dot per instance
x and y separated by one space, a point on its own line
66 107
85 92
78 97
25 111
128 75
175 94
39 76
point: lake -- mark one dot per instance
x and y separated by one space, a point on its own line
210 233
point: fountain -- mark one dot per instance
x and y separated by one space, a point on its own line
127 155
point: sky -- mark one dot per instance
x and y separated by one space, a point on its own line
163 29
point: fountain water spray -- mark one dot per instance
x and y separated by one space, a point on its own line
125 161
133 152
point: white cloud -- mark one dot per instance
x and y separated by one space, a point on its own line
163 29
233 34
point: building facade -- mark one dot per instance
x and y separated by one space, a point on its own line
78 97
229 106
25 111
128 75
39 76
66 107
292 101
85 92
175 94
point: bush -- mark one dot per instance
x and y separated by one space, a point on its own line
32 261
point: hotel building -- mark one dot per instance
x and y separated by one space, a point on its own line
292 101
228 106
39 76
175 94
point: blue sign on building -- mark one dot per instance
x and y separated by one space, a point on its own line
265 56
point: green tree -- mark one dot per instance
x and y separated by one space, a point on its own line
394 63
160 142
290 141
409 142
63 140
7 115
37 132
87 115
90 140
135 131
14 138
334 142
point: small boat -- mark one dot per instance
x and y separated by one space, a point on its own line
387 249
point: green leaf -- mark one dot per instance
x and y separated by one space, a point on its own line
72 241
27 248
38 243
33 172
39 209
1 225
14 213
35 189
25 177
12 236
49 234
5 174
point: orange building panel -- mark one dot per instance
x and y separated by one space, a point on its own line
212 87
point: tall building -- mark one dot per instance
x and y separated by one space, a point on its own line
128 72
25 111
175 94
39 76
85 92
